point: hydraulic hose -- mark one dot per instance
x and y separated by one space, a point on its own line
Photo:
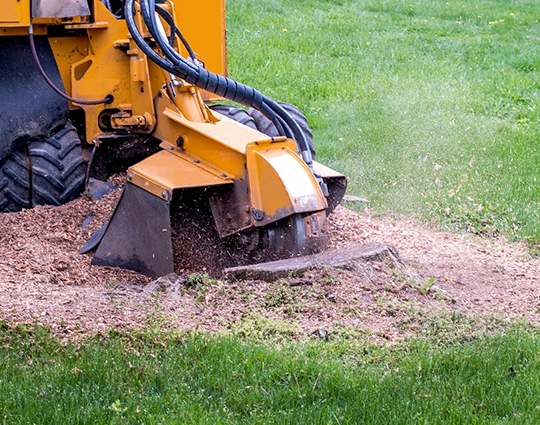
225 87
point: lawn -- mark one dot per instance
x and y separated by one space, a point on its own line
156 378
430 107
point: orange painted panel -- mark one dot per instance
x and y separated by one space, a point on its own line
203 24
15 13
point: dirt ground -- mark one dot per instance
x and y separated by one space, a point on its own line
43 279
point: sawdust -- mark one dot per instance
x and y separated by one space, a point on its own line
43 279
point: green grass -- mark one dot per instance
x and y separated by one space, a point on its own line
430 107
167 379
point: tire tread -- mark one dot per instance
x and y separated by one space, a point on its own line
14 183
58 168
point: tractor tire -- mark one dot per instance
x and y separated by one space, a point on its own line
14 182
58 168
48 172
237 114
266 126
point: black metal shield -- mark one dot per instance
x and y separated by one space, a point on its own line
138 236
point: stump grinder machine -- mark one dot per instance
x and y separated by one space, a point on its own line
84 82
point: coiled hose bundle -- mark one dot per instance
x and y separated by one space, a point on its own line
191 71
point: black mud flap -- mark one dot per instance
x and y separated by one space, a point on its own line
337 186
29 109
138 236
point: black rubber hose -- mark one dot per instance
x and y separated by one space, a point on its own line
108 99
285 124
197 76
188 71
214 83
192 73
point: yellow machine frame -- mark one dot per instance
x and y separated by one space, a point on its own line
96 56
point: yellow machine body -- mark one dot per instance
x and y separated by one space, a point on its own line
259 180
